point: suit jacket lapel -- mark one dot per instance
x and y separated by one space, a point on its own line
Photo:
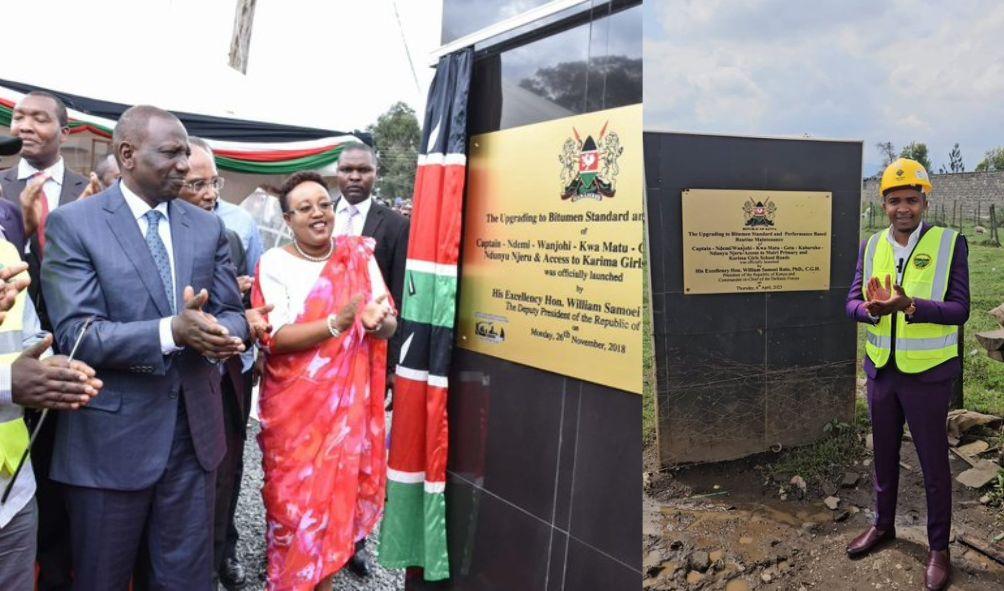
10 175
73 186
373 220
181 239
15 186
126 231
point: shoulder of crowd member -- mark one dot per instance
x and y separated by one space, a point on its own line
960 240
71 175
197 212
237 210
78 206
395 215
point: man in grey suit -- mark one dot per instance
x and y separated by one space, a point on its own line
141 458
41 182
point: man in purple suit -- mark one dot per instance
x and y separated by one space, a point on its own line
911 290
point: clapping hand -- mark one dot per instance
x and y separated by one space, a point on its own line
54 382
93 187
371 316
347 316
13 281
200 330
257 323
374 313
31 204
885 299
244 283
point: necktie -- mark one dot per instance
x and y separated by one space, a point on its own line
159 253
45 212
350 213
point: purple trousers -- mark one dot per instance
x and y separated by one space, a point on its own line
893 397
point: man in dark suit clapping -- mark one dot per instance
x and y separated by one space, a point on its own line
140 460
41 179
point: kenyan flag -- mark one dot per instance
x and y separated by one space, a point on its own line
413 533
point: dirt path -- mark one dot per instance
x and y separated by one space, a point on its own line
742 535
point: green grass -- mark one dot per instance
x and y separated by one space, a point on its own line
824 460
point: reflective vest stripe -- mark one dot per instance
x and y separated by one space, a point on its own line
880 341
13 432
907 344
870 259
928 344
940 284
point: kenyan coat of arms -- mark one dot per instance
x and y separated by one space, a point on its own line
589 168
759 213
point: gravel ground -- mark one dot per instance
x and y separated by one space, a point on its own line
250 521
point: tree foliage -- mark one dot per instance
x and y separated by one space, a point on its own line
887 151
917 151
992 160
396 135
955 159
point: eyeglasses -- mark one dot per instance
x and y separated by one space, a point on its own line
324 206
200 185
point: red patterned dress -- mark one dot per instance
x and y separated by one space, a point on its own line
322 423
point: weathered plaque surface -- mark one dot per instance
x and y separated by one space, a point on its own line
552 254
738 241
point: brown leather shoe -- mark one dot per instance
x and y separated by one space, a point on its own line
869 540
939 570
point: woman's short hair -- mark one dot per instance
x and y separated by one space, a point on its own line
294 181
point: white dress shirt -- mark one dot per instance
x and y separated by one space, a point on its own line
902 252
342 214
53 186
139 209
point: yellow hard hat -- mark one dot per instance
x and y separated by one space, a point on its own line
905 173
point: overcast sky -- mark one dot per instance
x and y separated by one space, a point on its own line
334 64
899 71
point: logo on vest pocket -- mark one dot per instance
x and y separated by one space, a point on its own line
921 261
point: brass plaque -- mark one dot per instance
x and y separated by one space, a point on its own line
552 252
737 241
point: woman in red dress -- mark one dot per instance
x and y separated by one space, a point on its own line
321 404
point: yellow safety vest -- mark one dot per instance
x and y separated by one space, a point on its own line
13 432
919 346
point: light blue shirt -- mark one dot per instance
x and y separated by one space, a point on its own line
241 222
